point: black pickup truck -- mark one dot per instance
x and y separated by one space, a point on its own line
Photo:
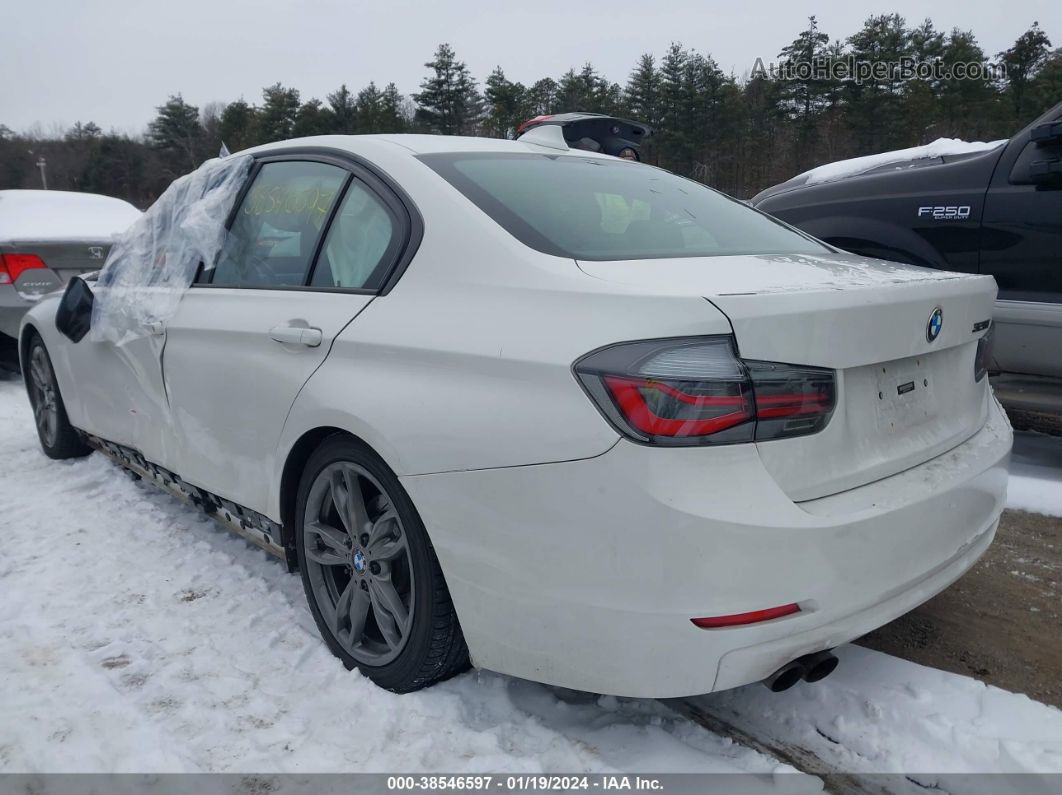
996 211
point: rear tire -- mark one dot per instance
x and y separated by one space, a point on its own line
59 439
372 580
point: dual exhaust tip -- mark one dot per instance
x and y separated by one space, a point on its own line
811 668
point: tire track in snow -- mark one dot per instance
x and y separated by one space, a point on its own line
798 757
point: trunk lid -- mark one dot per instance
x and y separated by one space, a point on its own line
62 259
902 399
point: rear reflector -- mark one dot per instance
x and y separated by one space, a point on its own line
12 265
740 619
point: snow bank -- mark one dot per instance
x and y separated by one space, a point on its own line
154 261
31 215
1036 473
840 169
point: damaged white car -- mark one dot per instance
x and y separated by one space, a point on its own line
557 414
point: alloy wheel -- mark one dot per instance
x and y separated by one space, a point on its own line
358 563
43 396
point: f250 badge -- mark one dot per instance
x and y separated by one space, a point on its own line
949 213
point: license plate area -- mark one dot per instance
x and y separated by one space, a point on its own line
905 394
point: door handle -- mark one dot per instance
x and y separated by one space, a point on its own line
297 335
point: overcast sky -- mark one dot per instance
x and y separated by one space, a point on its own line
113 61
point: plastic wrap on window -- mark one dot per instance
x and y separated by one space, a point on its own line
155 260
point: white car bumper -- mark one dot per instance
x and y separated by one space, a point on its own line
586 574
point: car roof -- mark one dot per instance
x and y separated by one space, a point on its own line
422 145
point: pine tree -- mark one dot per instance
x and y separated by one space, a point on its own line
118 166
804 90
312 119
343 111
643 91
587 91
448 102
394 113
1046 88
280 110
370 109
673 136
239 125
921 93
874 104
542 97
507 105
702 83
176 133
1022 61
83 132
967 108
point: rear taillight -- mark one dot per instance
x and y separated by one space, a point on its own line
697 391
791 400
983 358
12 265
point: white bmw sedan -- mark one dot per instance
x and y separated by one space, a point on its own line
559 415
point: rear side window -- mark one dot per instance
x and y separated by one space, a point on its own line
361 241
274 235
596 209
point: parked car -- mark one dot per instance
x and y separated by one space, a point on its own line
997 211
567 416
596 132
45 237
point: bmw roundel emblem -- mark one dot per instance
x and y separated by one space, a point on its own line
935 324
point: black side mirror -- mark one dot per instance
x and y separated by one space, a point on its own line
1040 161
73 318
1047 133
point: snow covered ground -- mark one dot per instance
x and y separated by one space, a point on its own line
135 635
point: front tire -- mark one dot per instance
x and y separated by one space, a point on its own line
370 573
59 439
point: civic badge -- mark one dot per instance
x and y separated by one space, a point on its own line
95 252
935 324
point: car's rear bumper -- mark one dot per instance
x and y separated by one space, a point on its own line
586 574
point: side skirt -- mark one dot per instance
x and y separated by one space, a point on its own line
260 530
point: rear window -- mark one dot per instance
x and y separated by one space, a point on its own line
598 209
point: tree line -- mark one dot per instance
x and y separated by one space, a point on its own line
738 134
